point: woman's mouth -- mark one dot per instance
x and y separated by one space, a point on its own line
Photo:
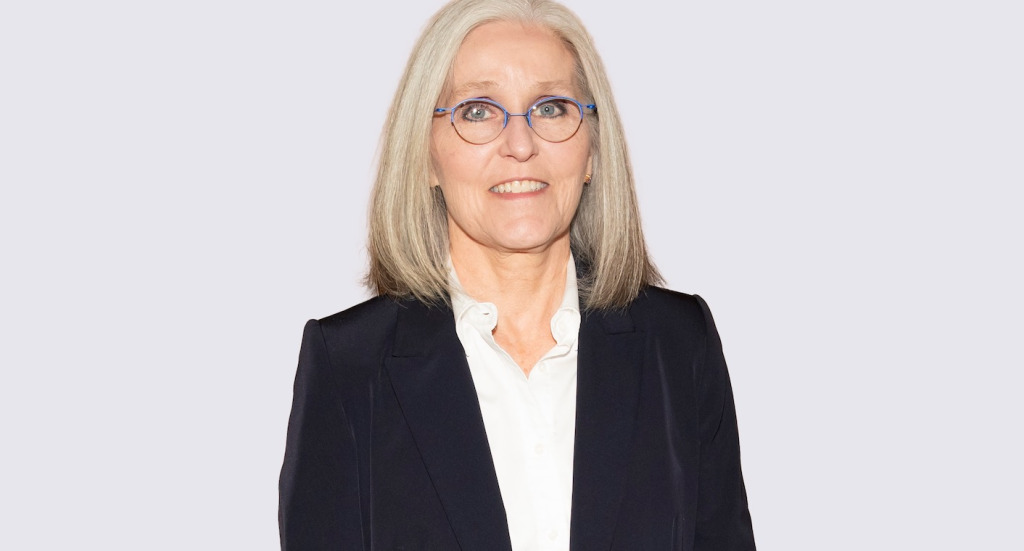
519 186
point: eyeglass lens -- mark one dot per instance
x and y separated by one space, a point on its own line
479 121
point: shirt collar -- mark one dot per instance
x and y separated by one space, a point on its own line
565 323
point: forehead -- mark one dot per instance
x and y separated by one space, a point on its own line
512 58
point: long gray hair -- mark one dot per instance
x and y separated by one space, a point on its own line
408 242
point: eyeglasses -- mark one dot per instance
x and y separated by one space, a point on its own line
480 120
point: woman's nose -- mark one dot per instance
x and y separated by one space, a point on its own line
518 139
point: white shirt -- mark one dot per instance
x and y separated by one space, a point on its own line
530 421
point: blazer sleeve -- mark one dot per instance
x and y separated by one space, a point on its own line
723 519
319 487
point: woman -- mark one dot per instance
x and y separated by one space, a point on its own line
518 382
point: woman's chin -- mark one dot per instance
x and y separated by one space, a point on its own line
514 236
527 242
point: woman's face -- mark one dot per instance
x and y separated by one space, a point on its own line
515 66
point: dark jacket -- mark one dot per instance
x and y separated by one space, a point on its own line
387 450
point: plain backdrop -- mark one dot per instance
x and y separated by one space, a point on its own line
185 183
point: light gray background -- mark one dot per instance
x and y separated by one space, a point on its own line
185 183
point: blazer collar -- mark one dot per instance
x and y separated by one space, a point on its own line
432 382
607 398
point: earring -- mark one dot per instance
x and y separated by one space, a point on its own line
586 179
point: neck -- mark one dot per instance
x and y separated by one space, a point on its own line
526 287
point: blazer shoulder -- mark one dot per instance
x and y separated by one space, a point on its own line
657 307
367 316
356 340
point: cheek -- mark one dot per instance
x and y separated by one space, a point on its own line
456 165
447 162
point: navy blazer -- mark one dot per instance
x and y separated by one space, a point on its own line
386 445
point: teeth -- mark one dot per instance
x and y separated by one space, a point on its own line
518 186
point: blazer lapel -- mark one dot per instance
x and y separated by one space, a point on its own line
431 378
607 395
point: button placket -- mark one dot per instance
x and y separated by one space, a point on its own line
533 416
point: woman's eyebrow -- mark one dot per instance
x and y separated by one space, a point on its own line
473 88
553 85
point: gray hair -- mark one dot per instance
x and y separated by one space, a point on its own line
408 242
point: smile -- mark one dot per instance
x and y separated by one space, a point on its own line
519 186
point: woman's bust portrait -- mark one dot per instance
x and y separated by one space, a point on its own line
519 381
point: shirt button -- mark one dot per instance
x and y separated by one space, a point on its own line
553 535
539 448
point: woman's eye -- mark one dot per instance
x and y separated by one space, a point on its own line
476 112
550 109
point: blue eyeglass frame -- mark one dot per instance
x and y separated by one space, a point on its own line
529 119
